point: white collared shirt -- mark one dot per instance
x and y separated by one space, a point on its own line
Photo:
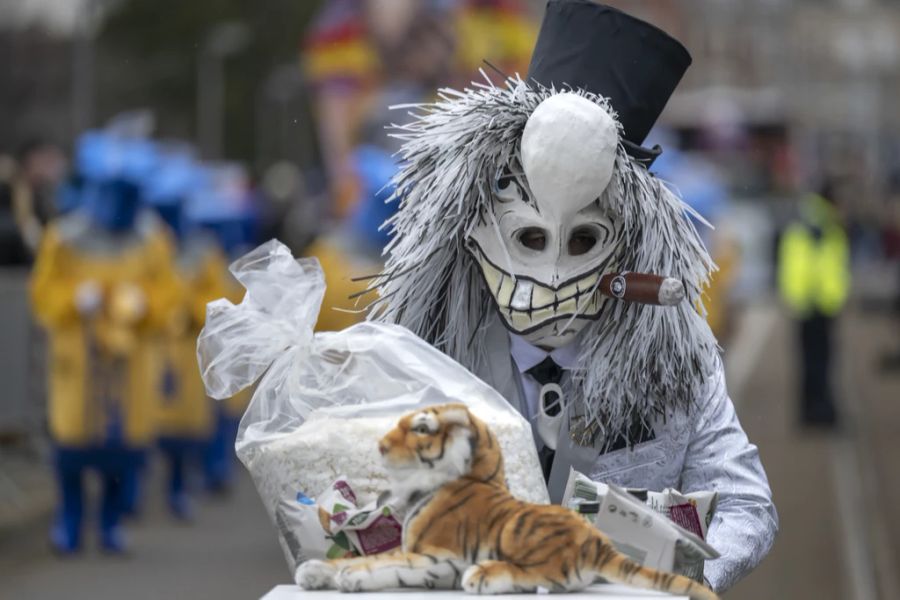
526 356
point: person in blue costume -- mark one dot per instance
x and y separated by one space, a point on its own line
186 413
103 286
700 184
221 216
375 168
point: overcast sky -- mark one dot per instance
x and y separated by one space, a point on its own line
57 15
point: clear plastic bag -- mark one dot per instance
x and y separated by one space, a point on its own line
325 399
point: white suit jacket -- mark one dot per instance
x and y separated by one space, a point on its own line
704 450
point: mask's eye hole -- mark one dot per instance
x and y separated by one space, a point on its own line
506 179
581 241
533 238
421 429
506 188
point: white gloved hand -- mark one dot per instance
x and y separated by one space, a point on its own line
129 304
88 298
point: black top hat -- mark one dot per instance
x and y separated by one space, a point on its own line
605 51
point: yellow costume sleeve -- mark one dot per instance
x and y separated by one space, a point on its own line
212 283
52 288
720 281
162 289
166 301
339 287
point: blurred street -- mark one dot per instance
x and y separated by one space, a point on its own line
230 551
835 492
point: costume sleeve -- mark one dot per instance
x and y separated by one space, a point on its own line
52 290
165 293
721 458
338 306
212 283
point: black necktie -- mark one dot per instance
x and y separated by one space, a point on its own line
547 371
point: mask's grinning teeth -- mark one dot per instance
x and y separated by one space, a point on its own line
522 296
526 305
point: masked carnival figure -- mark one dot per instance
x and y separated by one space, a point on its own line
534 245
187 415
104 288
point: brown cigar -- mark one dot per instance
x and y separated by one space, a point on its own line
643 288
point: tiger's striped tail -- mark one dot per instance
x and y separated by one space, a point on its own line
621 569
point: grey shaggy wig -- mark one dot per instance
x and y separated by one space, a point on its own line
637 361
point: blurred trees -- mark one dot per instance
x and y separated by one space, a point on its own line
34 88
148 52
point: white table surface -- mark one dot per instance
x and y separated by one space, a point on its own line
606 591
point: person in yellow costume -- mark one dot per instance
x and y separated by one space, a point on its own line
104 288
220 234
233 408
202 271
339 306
187 415
814 280
351 253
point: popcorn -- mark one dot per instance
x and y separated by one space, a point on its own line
326 447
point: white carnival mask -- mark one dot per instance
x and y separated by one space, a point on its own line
544 240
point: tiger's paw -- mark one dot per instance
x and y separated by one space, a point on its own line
483 579
315 575
352 579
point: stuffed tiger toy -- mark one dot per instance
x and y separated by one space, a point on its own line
464 529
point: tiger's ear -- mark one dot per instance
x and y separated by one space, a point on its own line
456 414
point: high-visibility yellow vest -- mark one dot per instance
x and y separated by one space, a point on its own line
813 262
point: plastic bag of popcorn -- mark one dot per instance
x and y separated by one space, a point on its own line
325 399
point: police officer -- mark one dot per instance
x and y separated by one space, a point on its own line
814 279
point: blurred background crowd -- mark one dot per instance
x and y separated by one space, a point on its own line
145 144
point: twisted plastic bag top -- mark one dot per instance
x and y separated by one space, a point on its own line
369 369
279 311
